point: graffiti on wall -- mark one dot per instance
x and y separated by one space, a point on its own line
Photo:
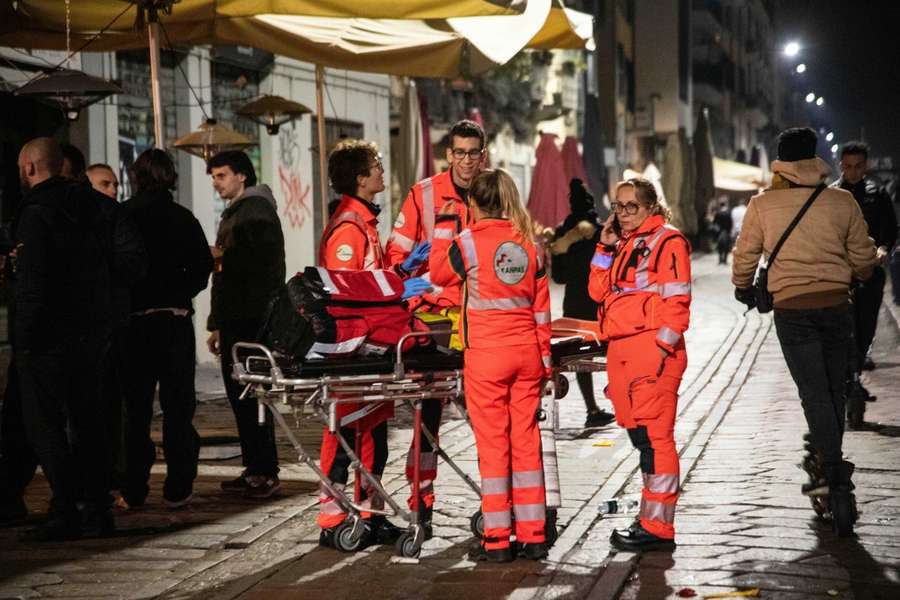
295 193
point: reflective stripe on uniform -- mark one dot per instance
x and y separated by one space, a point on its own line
547 361
497 303
327 281
494 485
468 248
675 288
443 233
657 511
382 282
339 347
666 483
602 260
402 241
530 512
428 208
667 336
542 318
527 479
500 519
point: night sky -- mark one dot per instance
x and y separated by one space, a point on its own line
852 52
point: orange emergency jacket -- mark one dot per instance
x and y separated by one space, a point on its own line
416 223
644 284
506 299
350 241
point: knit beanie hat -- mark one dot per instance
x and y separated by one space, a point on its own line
797 143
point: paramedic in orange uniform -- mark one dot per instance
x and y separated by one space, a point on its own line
350 241
506 333
641 278
416 224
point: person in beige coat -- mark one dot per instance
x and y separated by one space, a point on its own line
810 281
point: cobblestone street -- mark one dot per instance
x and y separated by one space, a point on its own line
742 522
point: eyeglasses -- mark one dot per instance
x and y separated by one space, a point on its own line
630 208
459 154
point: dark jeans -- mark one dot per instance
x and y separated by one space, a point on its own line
258 451
814 343
18 462
866 304
895 275
114 387
160 349
61 387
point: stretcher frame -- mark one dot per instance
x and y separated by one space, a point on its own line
265 381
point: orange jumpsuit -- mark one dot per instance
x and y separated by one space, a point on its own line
416 223
643 287
350 241
506 332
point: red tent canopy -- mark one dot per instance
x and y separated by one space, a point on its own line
548 200
572 161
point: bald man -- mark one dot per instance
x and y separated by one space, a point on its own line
103 179
62 307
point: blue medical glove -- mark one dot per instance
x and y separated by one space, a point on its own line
418 255
415 286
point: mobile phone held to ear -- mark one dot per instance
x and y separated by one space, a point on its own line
617 228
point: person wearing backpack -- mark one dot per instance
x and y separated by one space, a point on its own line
809 282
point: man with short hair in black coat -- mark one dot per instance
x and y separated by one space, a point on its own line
159 340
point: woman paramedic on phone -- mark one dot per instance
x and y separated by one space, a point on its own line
506 333
641 278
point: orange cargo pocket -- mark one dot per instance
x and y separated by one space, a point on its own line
645 400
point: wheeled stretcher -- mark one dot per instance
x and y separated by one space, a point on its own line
313 389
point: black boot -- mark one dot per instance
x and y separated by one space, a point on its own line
426 513
499 555
841 497
638 539
384 532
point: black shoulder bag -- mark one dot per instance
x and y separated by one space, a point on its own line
764 301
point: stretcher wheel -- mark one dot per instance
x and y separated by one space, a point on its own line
561 388
406 546
345 541
476 525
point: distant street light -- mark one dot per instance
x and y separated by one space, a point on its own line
820 101
834 148
810 97
830 136
791 49
801 68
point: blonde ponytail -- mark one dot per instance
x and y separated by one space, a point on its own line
495 194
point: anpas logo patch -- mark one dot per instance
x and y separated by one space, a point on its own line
510 263
344 252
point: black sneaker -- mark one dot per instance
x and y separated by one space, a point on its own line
425 517
500 555
383 531
531 550
326 537
238 484
638 539
260 487
599 418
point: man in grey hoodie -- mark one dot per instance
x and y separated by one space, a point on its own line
249 254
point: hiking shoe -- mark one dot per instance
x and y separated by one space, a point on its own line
238 484
638 539
180 503
260 487
499 555
599 418
531 550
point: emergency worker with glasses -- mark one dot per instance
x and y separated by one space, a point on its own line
641 279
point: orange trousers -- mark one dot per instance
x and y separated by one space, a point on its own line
502 396
645 401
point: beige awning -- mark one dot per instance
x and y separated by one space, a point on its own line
733 176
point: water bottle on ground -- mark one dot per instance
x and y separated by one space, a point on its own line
619 506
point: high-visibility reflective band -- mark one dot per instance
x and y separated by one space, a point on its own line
338 348
428 208
324 495
675 288
427 460
530 512
602 260
542 318
666 483
667 336
327 281
494 485
443 233
330 507
499 303
468 248
527 479
402 241
500 519
657 511
650 289
382 282
547 361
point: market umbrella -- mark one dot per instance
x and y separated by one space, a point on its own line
411 167
572 162
548 200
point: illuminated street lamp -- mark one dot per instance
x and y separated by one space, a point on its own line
834 148
820 101
801 68
791 49
810 97
829 136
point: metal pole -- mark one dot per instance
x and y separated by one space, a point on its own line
153 32
323 159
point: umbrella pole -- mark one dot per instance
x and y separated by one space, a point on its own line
153 33
320 123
